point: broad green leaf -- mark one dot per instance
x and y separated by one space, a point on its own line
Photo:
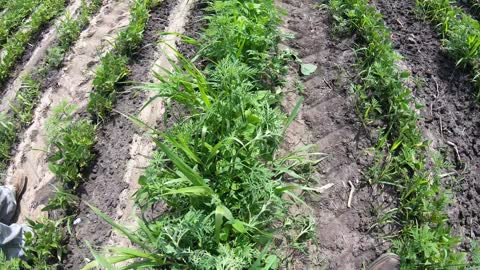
195 190
307 69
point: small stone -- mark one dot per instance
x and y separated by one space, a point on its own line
77 221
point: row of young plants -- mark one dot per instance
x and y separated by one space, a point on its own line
71 138
113 68
461 34
424 239
17 43
17 11
22 106
44 247
217 170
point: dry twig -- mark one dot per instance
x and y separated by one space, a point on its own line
350 196
456 150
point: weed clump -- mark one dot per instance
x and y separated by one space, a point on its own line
216 170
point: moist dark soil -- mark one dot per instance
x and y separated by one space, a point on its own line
328 120
451 117
105 182
196 23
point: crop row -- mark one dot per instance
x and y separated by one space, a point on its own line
71 138
69 153
113 67
17 11
425 239
44 247
22 106
17 43
217 169
461 34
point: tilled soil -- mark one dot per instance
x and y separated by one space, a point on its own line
105 182
451 115
328 120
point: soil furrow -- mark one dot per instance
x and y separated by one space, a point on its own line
142 146
37 55
451 117
328 120
73 86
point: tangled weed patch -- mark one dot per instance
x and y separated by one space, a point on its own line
216 170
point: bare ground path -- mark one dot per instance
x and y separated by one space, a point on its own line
451 115
328 120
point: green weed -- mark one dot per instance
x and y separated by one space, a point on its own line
70 144
216 169
25 100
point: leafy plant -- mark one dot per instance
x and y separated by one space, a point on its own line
216 169
111 71
43 244
70 144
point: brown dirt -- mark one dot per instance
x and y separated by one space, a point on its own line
328 120
450 112
105 182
